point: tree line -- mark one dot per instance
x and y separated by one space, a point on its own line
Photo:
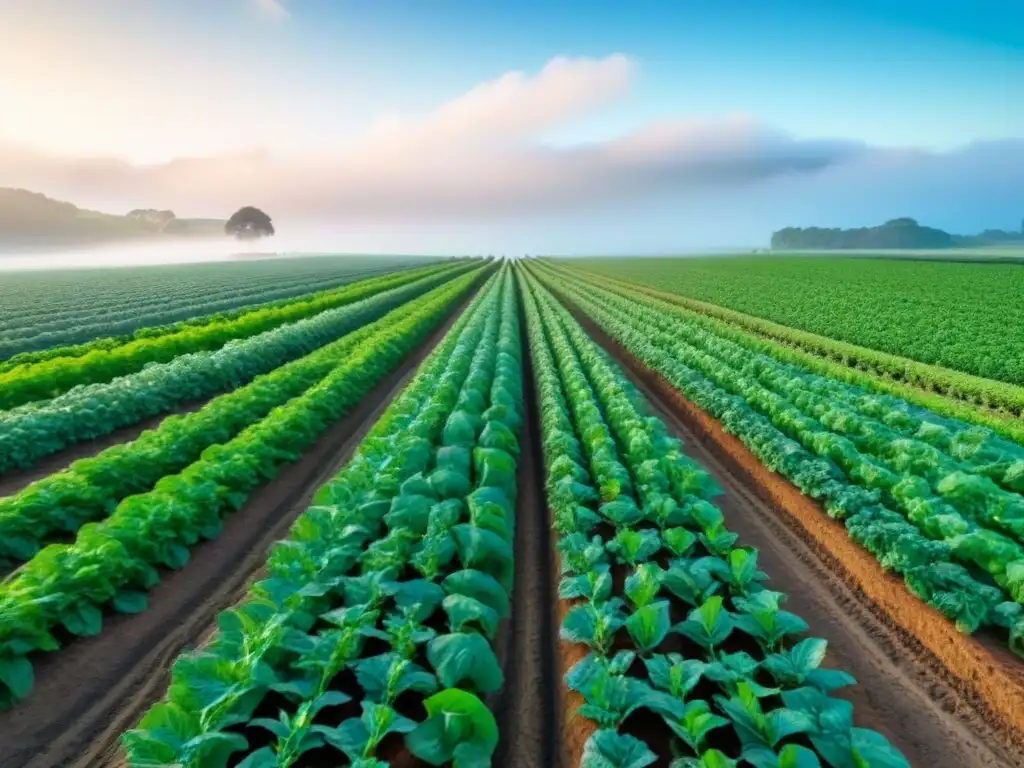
902 233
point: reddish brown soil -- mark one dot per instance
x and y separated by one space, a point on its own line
527 708
943 698
573 730
14 480
88 693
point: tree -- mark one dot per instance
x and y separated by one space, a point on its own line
152 218
249 222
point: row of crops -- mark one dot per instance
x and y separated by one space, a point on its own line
104 359
128 520
966 317
371 636
371 640
379 630
936 501
687 654
40 428
40 310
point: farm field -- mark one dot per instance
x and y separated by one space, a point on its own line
962 316
40 310
471 512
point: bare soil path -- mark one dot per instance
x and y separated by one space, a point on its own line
526 709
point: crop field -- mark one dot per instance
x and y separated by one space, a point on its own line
535 513
41 310
963 316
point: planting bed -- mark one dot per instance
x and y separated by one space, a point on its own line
510 515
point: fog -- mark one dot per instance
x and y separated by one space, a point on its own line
168 251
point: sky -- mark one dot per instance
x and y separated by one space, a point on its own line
569 127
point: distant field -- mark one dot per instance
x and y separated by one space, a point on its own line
996 253
48 308
969 317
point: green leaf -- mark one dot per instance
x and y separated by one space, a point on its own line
130 601
608 749
643 584
383 678
419 596
467 613
480 586
465 660
696 722
872 750
261 758
679 541
674 674
709 625
82 619
649 625
594 625
456 720
17 678
484 551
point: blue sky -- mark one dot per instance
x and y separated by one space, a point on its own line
917 84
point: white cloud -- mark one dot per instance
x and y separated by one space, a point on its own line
476 155
272 9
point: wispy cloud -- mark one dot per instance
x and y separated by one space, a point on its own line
477 155
274 10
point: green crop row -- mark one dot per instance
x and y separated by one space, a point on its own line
962 317
257 296
371 636
782 343
112 564
90 488
921 541
629 509
54 376
35 430
39 310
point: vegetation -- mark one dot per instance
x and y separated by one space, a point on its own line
966 317
382 629
29 218
407 552
113 563
937 502
103 362
34 430
41 309
904 233
62 502
248 223
630 510
947 392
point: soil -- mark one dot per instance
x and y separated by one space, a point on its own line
15 480
89 692
944 699
527 707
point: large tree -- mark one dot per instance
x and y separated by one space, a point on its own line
249 222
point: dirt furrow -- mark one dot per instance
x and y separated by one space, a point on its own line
526 710
89 692
15 480
937 713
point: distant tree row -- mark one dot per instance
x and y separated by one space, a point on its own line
895 234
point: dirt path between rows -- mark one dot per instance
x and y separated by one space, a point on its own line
937 713
526 708
15 480
89 692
